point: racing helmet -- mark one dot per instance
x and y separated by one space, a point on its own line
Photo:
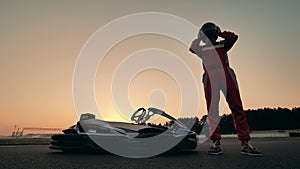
209 26
210 30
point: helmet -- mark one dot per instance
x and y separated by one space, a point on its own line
209 26
210 30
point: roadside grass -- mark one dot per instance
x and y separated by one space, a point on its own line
25 141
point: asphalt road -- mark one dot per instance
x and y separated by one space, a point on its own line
277 153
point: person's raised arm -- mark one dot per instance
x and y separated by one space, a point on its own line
230 39
195 48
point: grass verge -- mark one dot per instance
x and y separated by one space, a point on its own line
24 141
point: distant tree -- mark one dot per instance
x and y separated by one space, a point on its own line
273 119
259 119
226 124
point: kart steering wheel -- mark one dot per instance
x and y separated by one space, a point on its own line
141 115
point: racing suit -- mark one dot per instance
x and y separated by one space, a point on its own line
218 76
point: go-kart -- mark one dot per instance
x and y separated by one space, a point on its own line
91 134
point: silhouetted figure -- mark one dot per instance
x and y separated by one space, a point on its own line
218 76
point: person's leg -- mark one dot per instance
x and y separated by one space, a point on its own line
212 102
212 96
235 104
239 116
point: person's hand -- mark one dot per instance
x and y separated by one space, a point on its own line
200 34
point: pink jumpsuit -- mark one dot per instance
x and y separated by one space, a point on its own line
218 76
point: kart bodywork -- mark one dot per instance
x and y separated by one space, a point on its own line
88 131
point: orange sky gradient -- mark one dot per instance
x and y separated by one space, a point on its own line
40 42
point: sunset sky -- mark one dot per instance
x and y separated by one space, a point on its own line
41 40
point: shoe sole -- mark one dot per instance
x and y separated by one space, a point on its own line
249 154
219 153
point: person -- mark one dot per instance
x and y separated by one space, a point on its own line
218 76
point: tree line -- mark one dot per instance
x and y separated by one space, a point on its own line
259 119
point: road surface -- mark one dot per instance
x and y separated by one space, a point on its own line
277 153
